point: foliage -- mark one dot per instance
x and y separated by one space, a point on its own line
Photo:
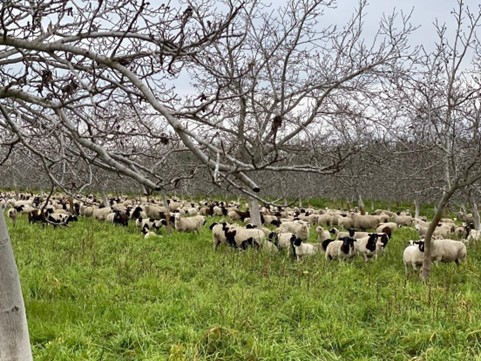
99 292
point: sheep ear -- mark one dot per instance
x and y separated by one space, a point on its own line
212 225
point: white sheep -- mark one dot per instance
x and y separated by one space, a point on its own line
322 234
413 255
299 228
189 224
473 236
448 250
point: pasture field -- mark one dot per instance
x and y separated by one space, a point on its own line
95 291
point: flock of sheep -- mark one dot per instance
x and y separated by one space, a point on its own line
340 235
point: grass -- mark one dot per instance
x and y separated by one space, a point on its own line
99 292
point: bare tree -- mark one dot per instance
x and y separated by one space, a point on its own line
441 111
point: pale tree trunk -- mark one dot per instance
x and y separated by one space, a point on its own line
254 211
105 199
168 227
14 338
426 268
360 203
416 209
475 211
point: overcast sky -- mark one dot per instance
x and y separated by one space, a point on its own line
424 14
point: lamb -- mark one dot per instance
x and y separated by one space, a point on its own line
341 249
382 242
413 255
473 235
219 233
189 224
303 249
12 214
322 235
149 234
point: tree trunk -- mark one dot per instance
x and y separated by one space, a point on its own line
168 227
14 338
254 212
475 211
426 269
362 207
416 209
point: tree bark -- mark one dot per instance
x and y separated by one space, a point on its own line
360 203
416 209
426 268
475 211
254 212
14 337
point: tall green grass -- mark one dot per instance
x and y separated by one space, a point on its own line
95 291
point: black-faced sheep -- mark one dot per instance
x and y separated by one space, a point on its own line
302 249
219 233
12 214
341 249
367 246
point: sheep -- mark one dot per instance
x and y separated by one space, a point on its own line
448 250
101 213
403 220
322 235
283 240
218 233
60 219
266 230
12 214
473 235
440 232
189 224
121 218
413 255
382 242
303 249
391 225
299 228
341 249
345 222
367 246
239 237
365 221
149 234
